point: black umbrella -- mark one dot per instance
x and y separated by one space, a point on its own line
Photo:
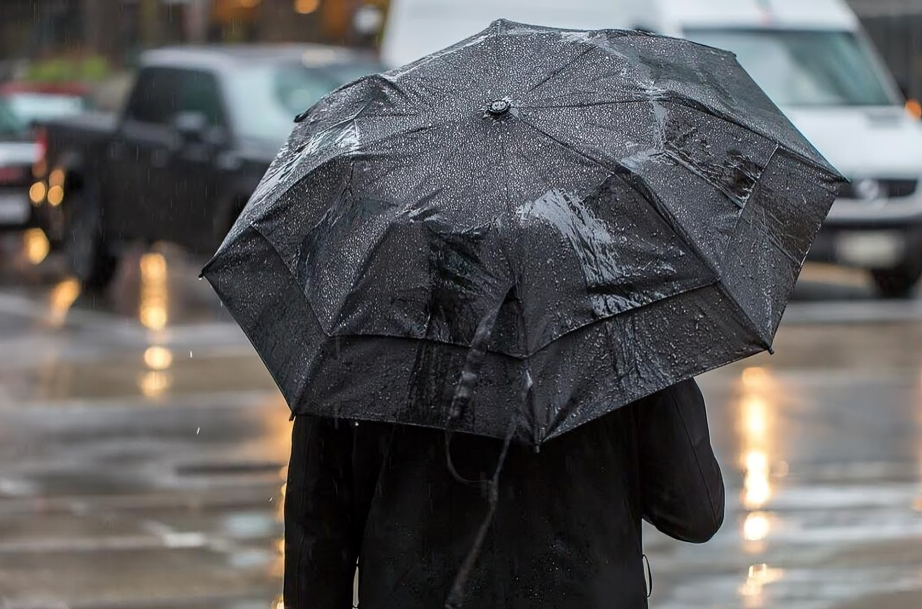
524 232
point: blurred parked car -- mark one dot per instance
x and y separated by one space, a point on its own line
37 102
197 133
18 153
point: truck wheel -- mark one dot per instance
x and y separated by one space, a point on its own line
898 282
84 247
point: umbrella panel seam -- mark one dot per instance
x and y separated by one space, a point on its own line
692 104
657 205
531 354
560 69
689 102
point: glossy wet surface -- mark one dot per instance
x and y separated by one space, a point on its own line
143 448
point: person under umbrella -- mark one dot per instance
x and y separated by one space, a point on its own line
510 258
567 525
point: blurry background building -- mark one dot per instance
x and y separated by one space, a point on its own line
114 30
97 35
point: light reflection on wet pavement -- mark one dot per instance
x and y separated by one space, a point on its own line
821 451
143 449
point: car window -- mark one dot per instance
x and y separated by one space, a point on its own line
161 93
10 124
201 94
31 107
264 98
155 96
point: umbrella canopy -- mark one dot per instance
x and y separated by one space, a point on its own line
539 225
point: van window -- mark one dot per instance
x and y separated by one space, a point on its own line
805 68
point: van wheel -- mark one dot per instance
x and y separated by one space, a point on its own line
84 247
898 282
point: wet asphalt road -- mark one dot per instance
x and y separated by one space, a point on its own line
143 449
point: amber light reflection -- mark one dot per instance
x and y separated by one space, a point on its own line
61 299
759 576
755 427
156 380
918 502
154 292
306 7
35 246
56 187
153 314
37 193
281 436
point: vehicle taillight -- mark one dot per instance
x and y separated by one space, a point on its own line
13 175
40 167
41 138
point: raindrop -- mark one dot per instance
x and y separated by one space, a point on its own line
198 430
190 354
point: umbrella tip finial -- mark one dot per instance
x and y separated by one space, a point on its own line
498 107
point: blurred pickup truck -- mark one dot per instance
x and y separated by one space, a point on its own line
17 156
198 131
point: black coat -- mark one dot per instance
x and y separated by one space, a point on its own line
567 529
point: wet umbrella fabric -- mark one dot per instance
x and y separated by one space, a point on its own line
523 232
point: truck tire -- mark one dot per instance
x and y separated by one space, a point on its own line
84 246
898 282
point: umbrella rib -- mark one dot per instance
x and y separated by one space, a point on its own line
418 129
565 146
693 104
607 102
688 102
502 243
465 67
676 227
768 235
560 70
448 153
446 156
363 148
310 306
704 178
572 150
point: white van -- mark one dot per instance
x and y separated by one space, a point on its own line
810 56
418 27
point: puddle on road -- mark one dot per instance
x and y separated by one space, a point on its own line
156 287
156 372
823 446
130 575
